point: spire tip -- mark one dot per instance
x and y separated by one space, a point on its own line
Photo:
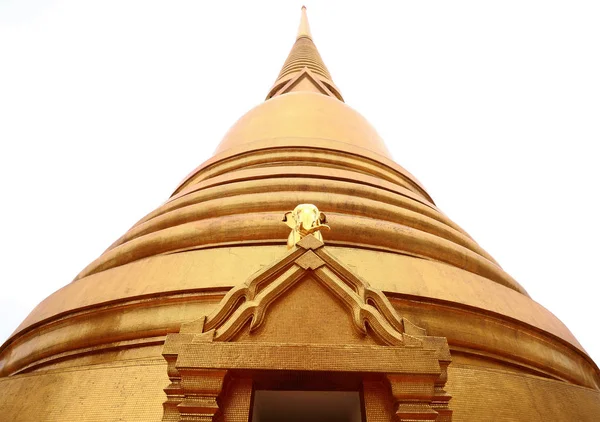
304 28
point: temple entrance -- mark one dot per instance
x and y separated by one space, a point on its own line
265 353
301 406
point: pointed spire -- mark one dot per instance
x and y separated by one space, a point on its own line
304 69
304 28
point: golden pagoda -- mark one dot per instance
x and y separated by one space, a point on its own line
298 274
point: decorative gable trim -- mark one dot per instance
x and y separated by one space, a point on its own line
314 79
202 355
368 306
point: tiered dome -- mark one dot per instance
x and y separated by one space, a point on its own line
223 223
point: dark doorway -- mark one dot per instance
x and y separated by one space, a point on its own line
305 406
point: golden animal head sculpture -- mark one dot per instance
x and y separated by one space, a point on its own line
304 220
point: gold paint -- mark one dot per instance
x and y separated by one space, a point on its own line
286 305
304 118
481 394
305 219
251 299
91 351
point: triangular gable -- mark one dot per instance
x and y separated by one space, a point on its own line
305 75
251 300
205 350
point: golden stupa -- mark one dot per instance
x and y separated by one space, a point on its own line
298 274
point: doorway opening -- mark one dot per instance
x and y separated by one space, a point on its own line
304 406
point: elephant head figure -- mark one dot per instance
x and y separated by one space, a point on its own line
304 220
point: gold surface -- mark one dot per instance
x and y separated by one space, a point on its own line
81 395
147 290
493 395
89 351
330 153
304 115
338 154
119 391
221 267
280 312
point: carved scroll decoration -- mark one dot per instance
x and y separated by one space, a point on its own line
202 354
251 300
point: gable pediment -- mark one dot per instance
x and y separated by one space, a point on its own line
245 309
306 313
305 81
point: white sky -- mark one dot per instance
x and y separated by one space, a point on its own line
494 106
